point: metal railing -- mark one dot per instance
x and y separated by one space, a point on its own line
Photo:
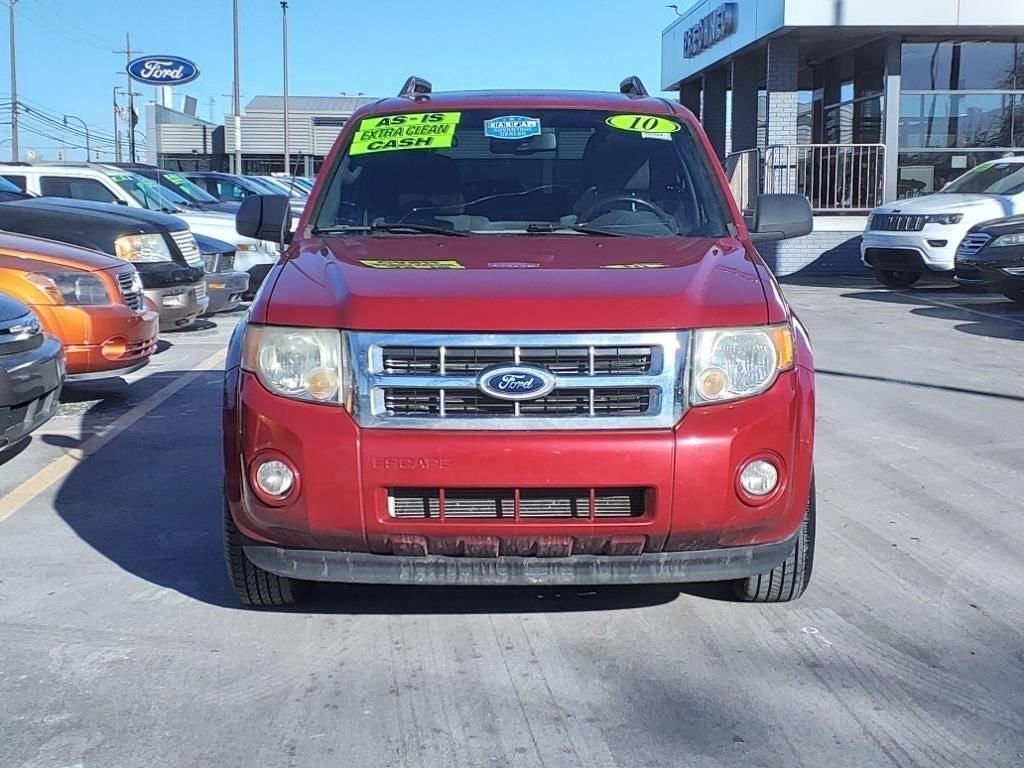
834 177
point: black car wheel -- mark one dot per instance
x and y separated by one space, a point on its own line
892 278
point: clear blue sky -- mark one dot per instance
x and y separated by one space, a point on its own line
66 64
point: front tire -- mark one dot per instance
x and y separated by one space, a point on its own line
892 278
788 580
252 585
1017 297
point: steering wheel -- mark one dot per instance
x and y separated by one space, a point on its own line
606 203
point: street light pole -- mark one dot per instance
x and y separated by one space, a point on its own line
88 148
236 106
284 49
14 87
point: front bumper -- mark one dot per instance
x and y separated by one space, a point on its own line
225 290
654 568
991 275
179 306
30 385
694 522
913 251
100 342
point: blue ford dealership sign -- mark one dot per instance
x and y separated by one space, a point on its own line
163 70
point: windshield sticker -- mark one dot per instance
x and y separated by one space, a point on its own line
512 127
428 130
662 136
421 264
119 177
643 124
641 265
174 179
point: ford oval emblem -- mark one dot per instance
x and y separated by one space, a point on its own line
516 382
162 70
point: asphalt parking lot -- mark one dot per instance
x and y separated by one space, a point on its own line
122 645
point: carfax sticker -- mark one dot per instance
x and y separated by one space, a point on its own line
426 130
411 264
645 124
512 127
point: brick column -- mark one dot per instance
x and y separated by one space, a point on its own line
782 84
746 75
712 115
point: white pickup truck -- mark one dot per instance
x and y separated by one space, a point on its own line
906 237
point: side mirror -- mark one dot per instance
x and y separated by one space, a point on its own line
265 217
781 217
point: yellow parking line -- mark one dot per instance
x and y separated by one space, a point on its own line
60 468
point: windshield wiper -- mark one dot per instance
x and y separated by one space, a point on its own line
390 228
583 229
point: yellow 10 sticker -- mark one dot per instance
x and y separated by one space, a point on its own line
643 123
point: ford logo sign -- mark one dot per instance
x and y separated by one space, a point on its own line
516 382
162 70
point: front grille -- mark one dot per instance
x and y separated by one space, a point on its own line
897 222
421 401
516 504
131 289
186 243
200 289
562 360
613 380
972 244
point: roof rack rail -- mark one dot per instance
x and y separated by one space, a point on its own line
633 87
416 88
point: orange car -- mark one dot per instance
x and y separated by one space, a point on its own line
90 301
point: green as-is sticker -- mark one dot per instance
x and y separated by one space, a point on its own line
420 130
643 123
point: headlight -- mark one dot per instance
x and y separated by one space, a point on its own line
142 248
1007 241
302 363
944 218
730 363
74 288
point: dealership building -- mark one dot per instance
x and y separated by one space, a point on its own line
850 102
177 139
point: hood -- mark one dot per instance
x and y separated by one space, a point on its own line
33 254
1010 226
974 207
11 309
213 245
215 224
516 283
141 218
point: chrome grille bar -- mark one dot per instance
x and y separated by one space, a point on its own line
437 371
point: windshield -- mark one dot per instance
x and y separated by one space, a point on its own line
186 188
149 194
7 186
551 171
262 186
995 178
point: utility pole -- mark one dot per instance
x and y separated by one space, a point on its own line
14 87
236 107
88 148
117 130
284 49
131 95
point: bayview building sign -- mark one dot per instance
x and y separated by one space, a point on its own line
713 28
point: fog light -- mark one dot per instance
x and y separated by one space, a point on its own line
275 478
115 348
759 478
938 243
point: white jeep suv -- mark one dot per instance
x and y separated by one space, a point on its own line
906 237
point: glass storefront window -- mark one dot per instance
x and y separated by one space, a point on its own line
922 173
961 66
942 121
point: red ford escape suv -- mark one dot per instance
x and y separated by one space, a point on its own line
520 338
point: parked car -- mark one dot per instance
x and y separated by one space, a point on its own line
225 285
178 184
230 187
91 302
31 372
992 257
108 184
520 339
283 185
161 247
906 238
